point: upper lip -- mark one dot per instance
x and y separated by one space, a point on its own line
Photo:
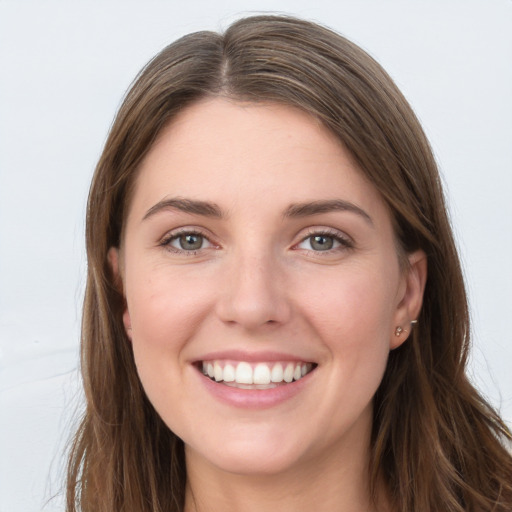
252 357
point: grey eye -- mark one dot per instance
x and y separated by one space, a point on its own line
321 242
188 242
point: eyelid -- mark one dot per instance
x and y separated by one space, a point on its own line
174 234
345 242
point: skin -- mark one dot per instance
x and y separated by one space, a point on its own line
260 283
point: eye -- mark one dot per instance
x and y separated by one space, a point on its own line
324 242
186 241
321 242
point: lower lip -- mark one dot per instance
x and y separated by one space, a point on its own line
254 398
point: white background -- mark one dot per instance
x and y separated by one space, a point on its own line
64 67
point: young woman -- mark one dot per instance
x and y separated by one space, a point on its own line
275 314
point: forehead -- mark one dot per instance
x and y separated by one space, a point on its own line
236 153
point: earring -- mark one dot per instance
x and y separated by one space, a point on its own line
399 330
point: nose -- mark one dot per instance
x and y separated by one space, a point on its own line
253 293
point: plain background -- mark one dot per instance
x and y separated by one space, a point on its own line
64 67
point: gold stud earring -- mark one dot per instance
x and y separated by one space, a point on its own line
399 330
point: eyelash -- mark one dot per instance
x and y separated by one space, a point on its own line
343 241
175 235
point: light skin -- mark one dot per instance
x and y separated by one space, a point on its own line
252 231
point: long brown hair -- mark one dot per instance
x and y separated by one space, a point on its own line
436 443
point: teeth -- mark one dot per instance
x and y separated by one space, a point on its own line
229 373
259 374
243 374
277 373
217 372
288 372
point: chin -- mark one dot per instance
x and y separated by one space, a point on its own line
256 456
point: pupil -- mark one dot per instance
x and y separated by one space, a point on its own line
191 242
322 243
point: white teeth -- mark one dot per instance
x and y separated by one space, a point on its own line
243 373
229 373
288 373
277 373
261 374
217 372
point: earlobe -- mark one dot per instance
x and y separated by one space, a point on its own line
127 322
411 301
113 257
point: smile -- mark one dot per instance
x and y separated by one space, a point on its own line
259 375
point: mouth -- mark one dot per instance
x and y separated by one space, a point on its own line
255 375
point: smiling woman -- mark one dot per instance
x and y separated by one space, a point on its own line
281 280
275 314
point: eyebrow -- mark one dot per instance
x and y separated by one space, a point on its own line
204 208
296 210
327 206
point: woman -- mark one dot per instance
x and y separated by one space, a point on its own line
275 312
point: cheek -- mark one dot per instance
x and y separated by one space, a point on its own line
165 310
165 313
354 305
159 295
353 315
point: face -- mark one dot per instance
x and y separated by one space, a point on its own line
263 288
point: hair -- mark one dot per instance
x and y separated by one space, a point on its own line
436 443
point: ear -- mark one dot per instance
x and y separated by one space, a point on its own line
410 298
114 259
